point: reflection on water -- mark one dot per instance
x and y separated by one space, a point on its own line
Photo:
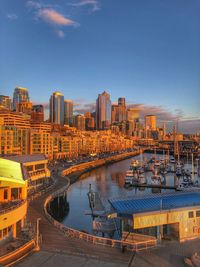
109 182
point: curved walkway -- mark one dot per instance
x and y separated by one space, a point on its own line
53 240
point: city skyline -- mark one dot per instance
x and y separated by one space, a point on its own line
145 52
163 116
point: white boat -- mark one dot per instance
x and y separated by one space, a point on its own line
172 160
129 177
142 179
168 167
178 171
155 181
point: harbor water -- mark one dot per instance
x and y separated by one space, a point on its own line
108 181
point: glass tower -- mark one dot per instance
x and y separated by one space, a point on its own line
20 95
57 108
103 111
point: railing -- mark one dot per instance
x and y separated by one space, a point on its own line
20 252
133 246
14 205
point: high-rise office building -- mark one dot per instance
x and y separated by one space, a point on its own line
89 121
20 95
5 102
68 112
56 108
79 122
121 109
150 122
37 113
103 111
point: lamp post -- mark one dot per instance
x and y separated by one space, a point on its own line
37 248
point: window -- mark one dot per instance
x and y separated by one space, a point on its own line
191 214
198 213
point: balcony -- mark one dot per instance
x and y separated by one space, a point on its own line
12 212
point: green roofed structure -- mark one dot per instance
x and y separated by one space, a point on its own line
11 173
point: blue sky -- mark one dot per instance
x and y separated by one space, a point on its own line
145 50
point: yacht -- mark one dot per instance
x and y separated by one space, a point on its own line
134 165
142 179
178 171
172 160
156 179
129 177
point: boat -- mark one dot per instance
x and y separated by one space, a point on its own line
172 160
178 172
168 168
156 179
157 163
188 173
129 177
134 165
142 179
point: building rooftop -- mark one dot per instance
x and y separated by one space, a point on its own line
26 158
11 173
127 207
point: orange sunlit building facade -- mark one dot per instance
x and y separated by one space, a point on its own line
13 198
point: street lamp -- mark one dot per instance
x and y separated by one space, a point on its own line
37 248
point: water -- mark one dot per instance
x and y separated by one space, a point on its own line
109 182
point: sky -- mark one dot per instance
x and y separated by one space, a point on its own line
147 51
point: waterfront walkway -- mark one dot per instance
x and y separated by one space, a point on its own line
61 250
53 240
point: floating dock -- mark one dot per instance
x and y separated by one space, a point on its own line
96 204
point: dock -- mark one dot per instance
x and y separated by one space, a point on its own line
155 186
96 204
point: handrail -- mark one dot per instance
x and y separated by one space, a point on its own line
10 257
137 245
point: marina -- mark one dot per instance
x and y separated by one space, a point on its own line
108 182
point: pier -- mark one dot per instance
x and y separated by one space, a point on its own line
95 202
155 186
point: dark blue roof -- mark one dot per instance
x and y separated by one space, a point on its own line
154 203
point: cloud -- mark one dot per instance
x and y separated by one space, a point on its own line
33 4
50 14
53 17
60 33
161 112
93 3
84 107
12 16
189 126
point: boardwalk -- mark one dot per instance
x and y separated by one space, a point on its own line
53 240
60 250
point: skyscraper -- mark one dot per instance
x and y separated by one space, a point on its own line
121 109
20 95
150 122
68 112
79 122
103 111
57 108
